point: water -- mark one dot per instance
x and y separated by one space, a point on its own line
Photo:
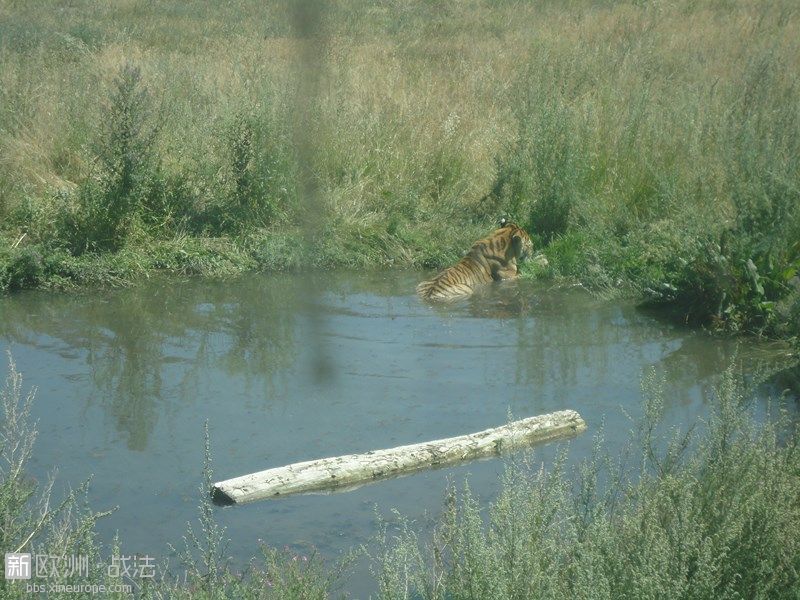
127 378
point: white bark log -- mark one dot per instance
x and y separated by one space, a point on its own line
356 469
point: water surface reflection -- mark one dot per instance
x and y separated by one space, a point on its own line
127 379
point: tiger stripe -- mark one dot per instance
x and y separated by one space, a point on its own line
493 258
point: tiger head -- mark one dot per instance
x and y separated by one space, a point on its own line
521 242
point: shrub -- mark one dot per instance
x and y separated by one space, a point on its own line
261 176
127 178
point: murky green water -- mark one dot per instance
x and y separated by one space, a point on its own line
127 378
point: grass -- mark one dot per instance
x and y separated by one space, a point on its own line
712 512
650 147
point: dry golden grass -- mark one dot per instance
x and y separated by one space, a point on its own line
625 117
402 77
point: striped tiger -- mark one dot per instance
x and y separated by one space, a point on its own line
493 258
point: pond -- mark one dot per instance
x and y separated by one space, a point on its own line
293 367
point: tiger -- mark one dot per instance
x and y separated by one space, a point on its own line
493 258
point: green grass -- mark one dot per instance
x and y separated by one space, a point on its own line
650 147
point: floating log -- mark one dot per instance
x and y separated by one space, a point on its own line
355 469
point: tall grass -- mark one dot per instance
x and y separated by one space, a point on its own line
651 146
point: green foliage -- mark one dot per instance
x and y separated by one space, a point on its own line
261 177
22 269
736 281
29 520
127 180
204 556
539 178
16 445
125 150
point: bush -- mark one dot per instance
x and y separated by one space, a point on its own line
539 178
127 179
23 268
262 173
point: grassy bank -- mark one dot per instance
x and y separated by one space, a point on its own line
651 147
713 513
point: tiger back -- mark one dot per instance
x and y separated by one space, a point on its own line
493 258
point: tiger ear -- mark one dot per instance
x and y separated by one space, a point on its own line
516 243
